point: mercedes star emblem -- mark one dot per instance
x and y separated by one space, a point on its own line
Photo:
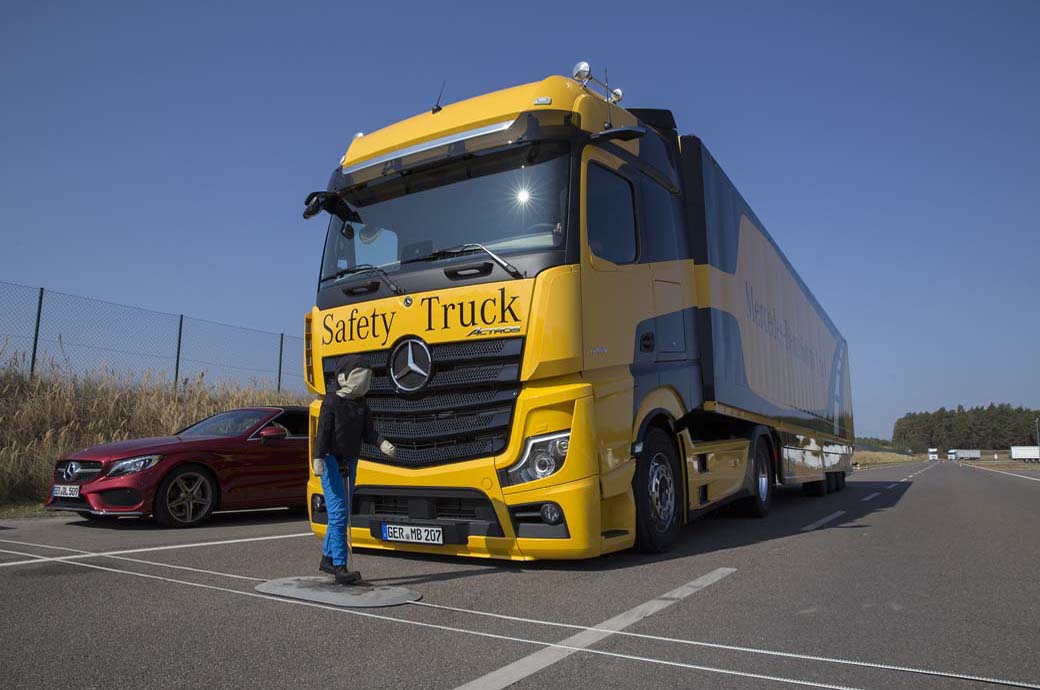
410 365
71 470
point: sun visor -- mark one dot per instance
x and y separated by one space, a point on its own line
527 127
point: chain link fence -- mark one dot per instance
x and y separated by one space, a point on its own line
44 328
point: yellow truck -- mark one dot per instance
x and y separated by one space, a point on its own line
581 335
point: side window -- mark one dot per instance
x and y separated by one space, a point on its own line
294 422
660 219
611 216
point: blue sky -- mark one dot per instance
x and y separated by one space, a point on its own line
157 154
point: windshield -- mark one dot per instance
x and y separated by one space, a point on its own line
510 201
233 423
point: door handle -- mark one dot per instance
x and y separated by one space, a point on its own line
646 342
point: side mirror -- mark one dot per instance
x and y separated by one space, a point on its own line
272 433
619 134
313 204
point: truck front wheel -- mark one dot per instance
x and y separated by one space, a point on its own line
761 498
658 493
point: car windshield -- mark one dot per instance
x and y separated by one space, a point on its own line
511 201
232 423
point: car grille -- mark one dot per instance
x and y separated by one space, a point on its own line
465 411
88 471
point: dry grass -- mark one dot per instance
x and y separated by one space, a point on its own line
44 418
867 458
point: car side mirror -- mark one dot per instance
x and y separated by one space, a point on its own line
272 433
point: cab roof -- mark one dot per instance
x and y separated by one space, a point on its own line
551 93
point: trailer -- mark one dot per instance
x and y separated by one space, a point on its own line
961 454
1025 453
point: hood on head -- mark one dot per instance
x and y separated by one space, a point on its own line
353 377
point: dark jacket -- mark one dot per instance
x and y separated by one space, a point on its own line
342 424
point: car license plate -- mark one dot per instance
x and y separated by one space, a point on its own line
65 491
413 533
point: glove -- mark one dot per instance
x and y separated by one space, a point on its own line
387 448
318 465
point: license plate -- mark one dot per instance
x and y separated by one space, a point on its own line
413 534
65 491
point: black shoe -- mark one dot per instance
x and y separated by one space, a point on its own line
326 565
346 577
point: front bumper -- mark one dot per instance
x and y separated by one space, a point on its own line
130 495
478 515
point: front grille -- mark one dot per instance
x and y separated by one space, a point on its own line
88 471
465 411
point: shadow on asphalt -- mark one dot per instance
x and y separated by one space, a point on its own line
726 529
263 517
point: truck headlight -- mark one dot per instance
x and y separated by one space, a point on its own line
543 456
131 465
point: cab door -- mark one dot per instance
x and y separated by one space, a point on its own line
617 301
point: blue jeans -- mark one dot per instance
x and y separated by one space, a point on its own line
338 499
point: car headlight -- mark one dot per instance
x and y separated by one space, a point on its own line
131 465
543 456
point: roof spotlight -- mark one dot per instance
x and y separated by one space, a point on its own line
582 71
616 95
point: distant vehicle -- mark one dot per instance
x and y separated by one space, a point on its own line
242 458
933 453
1025 453
951 455
959 454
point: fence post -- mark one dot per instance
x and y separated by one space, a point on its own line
177 362
36 334
281 348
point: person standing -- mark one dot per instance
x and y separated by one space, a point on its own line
343 423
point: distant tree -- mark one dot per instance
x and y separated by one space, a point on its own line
990 427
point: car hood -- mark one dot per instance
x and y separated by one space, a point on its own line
139 446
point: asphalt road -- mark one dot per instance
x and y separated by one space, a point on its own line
926 567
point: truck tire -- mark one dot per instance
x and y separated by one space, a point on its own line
831 482
658 493
758 503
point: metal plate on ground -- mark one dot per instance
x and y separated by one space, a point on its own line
324 590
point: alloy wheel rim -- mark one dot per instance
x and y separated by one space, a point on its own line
661 490
189 497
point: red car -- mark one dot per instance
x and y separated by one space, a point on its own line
244 458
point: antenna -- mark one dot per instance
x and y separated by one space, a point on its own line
606 84
437 106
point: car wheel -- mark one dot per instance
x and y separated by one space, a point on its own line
658 493
185 498
758 503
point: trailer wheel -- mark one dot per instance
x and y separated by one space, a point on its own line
831 483
658 493
758 503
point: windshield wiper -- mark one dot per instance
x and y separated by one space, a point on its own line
466 249
366 268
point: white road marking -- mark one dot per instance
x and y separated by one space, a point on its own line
823 521
89 554
1010 474
447 628
871 497
40 559
892 486
533 663
697 643
735 648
